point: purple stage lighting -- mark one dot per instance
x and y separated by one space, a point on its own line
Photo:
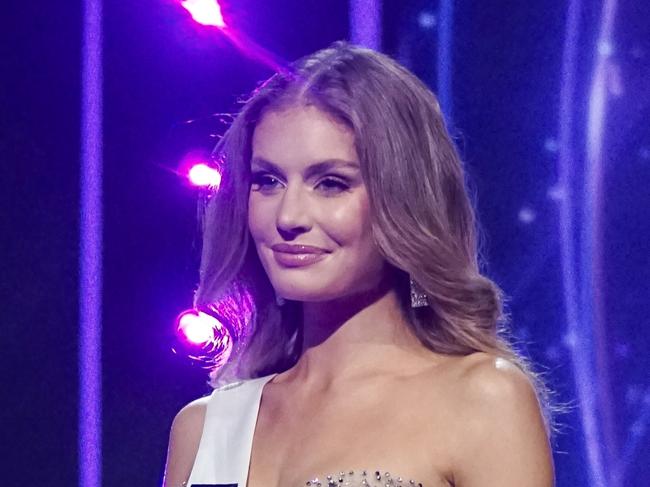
197 328
89 441
204 337
203 175
208 12
205 12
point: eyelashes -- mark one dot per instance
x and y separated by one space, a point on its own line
266 182
261 180
334 184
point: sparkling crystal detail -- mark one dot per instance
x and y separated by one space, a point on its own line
382 478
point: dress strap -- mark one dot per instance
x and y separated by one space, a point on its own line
224 453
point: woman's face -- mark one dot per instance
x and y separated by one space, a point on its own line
307 190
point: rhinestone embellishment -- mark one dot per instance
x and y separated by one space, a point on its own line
378 478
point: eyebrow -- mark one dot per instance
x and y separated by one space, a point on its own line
316 168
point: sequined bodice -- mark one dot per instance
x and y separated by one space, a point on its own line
361 478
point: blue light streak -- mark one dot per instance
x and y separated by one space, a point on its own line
591 240
445 60
90 252
580 241
365 23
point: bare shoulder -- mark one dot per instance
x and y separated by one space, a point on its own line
184 440
500 432
487 379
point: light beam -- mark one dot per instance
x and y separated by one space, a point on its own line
205 12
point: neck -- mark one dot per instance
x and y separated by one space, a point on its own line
355 336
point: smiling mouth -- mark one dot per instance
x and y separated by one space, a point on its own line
290 259
297 249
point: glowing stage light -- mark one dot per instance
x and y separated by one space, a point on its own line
557 193
205 12
197 328
427 20
204 338
203 175
208 12
527 215
551 145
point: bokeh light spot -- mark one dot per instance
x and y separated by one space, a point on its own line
201 174
527 215
196 328
427 20
205 12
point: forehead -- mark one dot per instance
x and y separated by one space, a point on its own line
301 135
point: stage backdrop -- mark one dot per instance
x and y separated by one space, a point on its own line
548 102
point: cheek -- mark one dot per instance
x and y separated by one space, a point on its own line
256 219
350 223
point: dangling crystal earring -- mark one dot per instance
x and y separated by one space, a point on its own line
279 300
419 298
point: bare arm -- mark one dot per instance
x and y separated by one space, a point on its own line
184 441
504 441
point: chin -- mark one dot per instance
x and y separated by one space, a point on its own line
296 292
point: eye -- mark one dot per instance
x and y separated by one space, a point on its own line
333 185
261 181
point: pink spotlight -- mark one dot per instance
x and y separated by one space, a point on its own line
205 12
204 175
197 328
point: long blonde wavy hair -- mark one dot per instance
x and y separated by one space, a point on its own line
422 218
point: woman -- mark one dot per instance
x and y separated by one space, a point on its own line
374 357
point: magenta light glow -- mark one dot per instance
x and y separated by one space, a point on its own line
205 12
208 12
210 333
197 328
204 337
203 175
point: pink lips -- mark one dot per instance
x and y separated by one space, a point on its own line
297 255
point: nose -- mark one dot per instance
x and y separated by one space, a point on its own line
292 216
